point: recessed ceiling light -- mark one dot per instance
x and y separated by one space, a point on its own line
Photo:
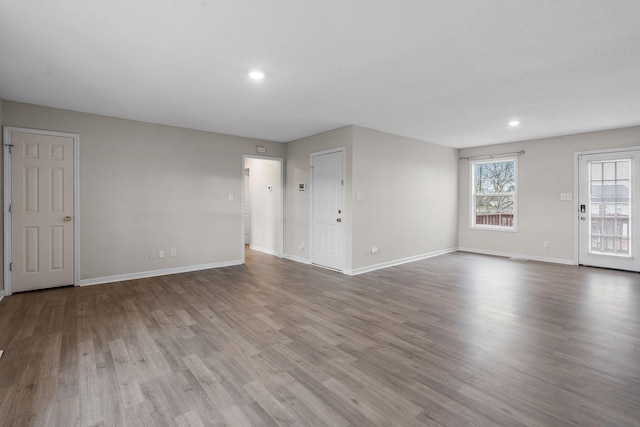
257 75
514 123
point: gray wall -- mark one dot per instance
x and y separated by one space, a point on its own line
1 210
410 196
297 203
150 187
410 203
544 171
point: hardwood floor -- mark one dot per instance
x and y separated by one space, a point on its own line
460 339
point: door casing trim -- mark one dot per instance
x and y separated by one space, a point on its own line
7 131
280 219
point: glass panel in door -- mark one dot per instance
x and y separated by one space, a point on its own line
609 203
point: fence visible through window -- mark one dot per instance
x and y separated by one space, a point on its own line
502 220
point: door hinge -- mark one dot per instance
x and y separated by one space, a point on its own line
10 266
342 182
10 208
10 147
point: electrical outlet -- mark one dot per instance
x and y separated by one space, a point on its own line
302 246
152 254
374 250
160 254
174 252
545 244
566 196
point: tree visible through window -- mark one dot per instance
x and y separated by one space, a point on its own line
494 194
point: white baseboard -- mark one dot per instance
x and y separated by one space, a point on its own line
519 256
387 264
1 294
155 273
297 259
264 250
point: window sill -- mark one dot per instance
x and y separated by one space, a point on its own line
494 228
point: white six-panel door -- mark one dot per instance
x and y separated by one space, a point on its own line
327 234
41 211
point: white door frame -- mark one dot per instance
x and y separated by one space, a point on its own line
280 204
244 201
576 189
344 195
8 130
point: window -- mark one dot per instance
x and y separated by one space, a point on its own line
493 199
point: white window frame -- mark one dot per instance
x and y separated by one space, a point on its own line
472 219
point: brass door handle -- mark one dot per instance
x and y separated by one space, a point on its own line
67 218
339 219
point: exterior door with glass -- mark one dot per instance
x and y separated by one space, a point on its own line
608 205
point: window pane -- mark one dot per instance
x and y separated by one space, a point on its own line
609 170
596 171
623 170
485 186
494 204
494 210
481 171
622 209
622 190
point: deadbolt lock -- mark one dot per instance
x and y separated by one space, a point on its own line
67 218
339 219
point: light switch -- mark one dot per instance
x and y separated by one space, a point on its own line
359 196
566 196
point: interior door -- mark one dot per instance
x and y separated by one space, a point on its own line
327 235
41 211
608 208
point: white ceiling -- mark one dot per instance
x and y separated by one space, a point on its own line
453 72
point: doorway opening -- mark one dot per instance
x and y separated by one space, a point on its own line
262 205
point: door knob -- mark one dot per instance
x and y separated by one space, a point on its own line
583 218
339 219
67 218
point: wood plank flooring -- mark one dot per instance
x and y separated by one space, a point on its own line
456 340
